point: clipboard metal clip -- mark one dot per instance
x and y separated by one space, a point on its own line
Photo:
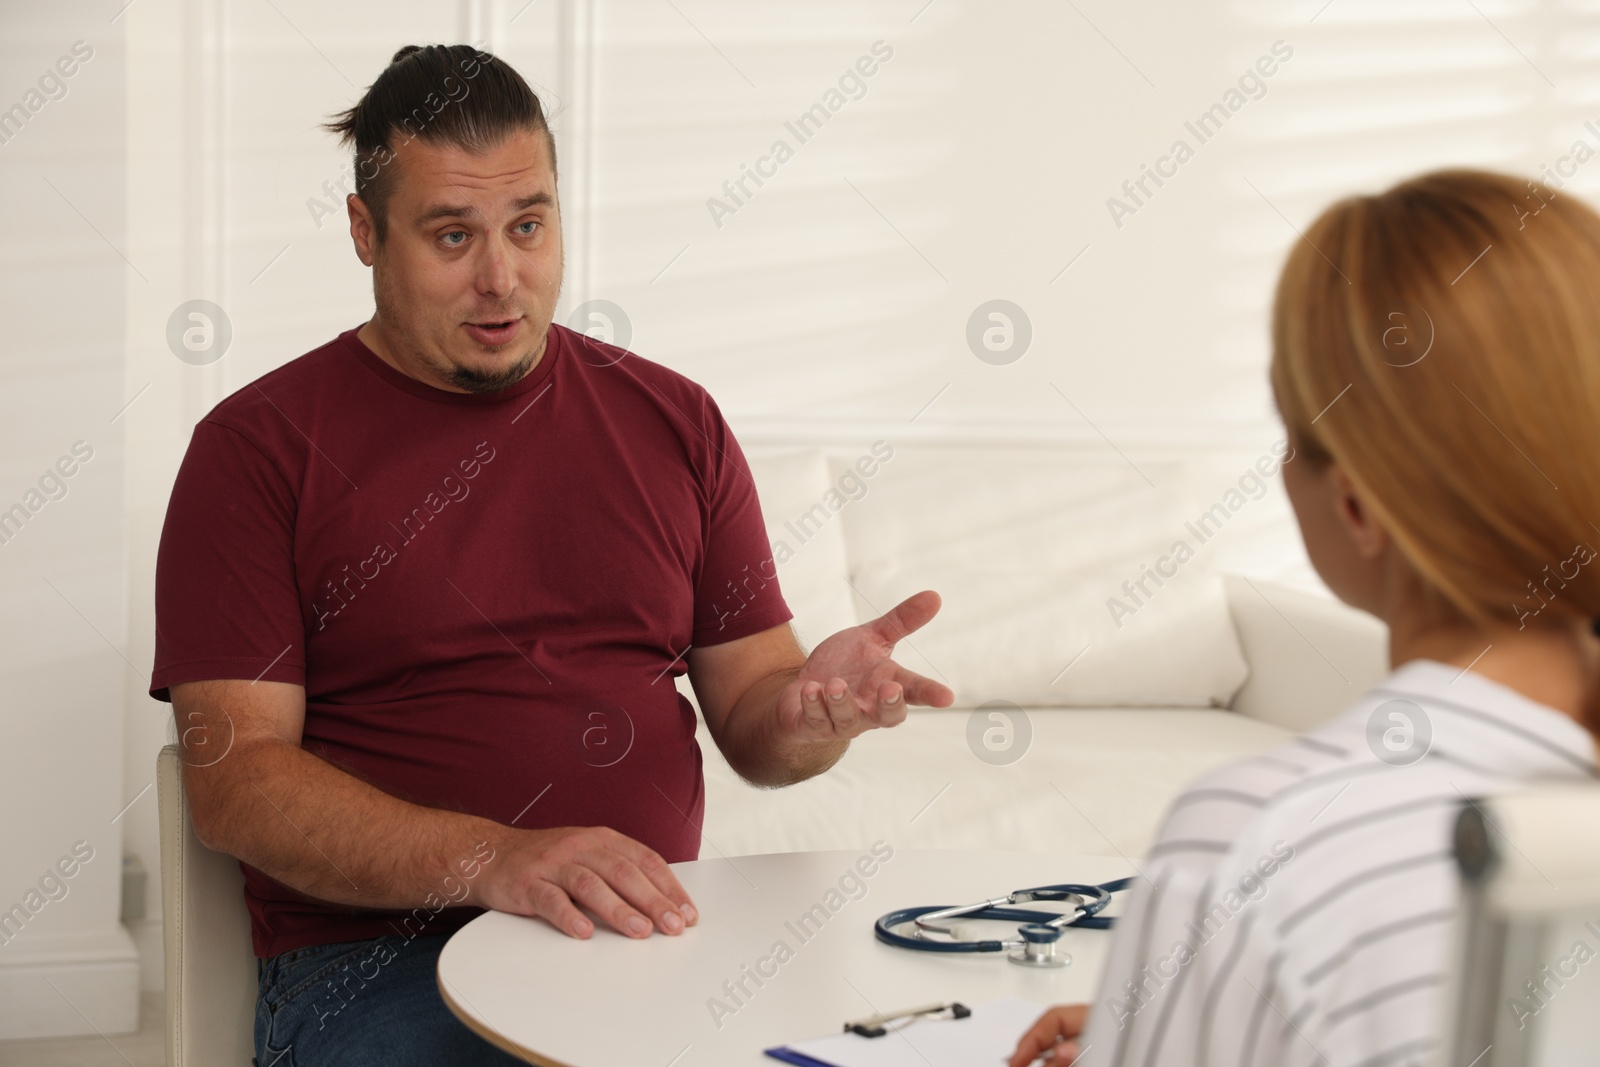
873 1025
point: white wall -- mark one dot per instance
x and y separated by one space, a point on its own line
65 962
833 303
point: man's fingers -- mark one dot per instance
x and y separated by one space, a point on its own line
924 691
841 704
587 887
551 902
673 900
833 709
811 706
906 617
639 890
891 710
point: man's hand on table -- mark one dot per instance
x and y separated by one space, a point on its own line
849 685
549 872
1053 1036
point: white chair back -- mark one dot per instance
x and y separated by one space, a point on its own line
1527 971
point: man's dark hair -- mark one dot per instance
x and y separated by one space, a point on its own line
444 94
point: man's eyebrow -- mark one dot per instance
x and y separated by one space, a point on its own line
467 211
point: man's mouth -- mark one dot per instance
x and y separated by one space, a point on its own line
494 333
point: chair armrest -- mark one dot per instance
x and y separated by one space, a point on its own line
1310 655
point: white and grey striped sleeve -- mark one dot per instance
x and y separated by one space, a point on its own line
1183 987
1301 939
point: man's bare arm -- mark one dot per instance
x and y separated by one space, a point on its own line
300 819
332 836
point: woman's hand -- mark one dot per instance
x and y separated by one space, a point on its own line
1052 1035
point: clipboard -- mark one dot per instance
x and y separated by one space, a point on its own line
988 1035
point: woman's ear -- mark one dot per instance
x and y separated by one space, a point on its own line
1357 518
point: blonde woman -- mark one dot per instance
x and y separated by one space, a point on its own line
1436 360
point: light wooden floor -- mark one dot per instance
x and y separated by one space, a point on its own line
147 1048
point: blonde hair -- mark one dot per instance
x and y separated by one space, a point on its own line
1441 341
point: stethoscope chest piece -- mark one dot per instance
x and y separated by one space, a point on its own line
1038 948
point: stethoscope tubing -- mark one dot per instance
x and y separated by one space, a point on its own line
1099 896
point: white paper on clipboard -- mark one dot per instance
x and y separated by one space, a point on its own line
987 1038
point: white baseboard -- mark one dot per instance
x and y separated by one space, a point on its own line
146 934
95 979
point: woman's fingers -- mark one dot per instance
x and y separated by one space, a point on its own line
1050 1033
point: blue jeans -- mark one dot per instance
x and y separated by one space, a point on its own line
361 1003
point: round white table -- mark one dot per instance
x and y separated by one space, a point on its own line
726 989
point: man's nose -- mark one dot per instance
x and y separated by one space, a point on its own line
495 265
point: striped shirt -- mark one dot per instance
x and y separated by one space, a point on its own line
1298 906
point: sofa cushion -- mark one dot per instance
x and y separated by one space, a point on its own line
1030 546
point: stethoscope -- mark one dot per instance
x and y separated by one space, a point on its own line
1035 944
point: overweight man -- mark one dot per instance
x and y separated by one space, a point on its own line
422 592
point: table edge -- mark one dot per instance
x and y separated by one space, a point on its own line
494 1038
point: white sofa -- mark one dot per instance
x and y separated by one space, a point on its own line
1026 543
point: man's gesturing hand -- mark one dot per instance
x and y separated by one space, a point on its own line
548 872
850 685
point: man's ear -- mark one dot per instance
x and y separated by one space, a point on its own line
1357 518
362 230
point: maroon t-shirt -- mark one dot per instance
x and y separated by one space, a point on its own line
486 597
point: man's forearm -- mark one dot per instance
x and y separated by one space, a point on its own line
332 836
762 753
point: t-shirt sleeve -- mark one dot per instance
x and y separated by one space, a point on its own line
738 594
227 603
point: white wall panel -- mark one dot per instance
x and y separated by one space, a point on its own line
66 965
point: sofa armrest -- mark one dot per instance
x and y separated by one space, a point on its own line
1310 655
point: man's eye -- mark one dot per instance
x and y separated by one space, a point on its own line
454 233
530 222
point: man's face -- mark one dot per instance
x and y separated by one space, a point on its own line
474 240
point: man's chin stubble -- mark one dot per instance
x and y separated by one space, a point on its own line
474 381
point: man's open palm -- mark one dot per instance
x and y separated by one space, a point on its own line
850 685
